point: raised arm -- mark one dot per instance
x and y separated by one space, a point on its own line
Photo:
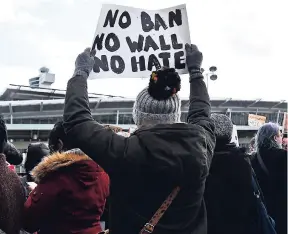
199 102
101 144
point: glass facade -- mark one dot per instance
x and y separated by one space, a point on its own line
238 118
47 120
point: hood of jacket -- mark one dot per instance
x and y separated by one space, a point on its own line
13 156
176 151
230 161
79 165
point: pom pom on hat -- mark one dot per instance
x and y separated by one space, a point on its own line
164 83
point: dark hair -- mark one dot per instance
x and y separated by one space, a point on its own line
164 83
35 153
3 134
56 134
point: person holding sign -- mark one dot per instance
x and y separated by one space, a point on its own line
163 163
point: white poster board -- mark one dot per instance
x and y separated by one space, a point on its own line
256 120
132 42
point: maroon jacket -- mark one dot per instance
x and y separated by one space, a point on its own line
70 196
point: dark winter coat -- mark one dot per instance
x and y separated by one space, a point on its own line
148 165
274 185
11 199
230 201
70 196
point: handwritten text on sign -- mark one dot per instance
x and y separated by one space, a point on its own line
131 42
256 120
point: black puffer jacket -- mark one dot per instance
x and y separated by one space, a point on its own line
231 205
274 184
148 165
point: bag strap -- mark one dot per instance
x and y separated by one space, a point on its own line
262 164
256 186
149 227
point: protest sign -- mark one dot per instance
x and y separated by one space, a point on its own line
256 120
132 42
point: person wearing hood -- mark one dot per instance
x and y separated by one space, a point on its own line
162 158
270 166
58 142
70 195
35 153
230 202
12 195
13 156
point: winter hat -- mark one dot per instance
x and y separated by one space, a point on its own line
223 127
35 153
159 102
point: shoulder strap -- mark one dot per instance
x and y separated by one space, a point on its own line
149 227
256 187
262 164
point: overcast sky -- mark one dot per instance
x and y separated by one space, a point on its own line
246 40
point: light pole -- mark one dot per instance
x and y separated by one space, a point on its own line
210 74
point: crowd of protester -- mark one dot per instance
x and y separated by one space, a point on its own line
167 177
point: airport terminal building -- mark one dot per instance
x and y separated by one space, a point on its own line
30 112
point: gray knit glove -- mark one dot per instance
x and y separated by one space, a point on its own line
84 63
194 60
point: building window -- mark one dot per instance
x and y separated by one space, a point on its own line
239 118
35 121
105 119
43 121
125 119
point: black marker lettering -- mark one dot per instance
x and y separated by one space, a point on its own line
147 24
163 44
110 18
165 56
116 42
175 17
127 23
149 42
153 62
175 43
119 67
179 57
141 64
159 22
100 63
135 45
98 41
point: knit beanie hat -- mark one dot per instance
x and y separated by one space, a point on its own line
223 127
159 102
